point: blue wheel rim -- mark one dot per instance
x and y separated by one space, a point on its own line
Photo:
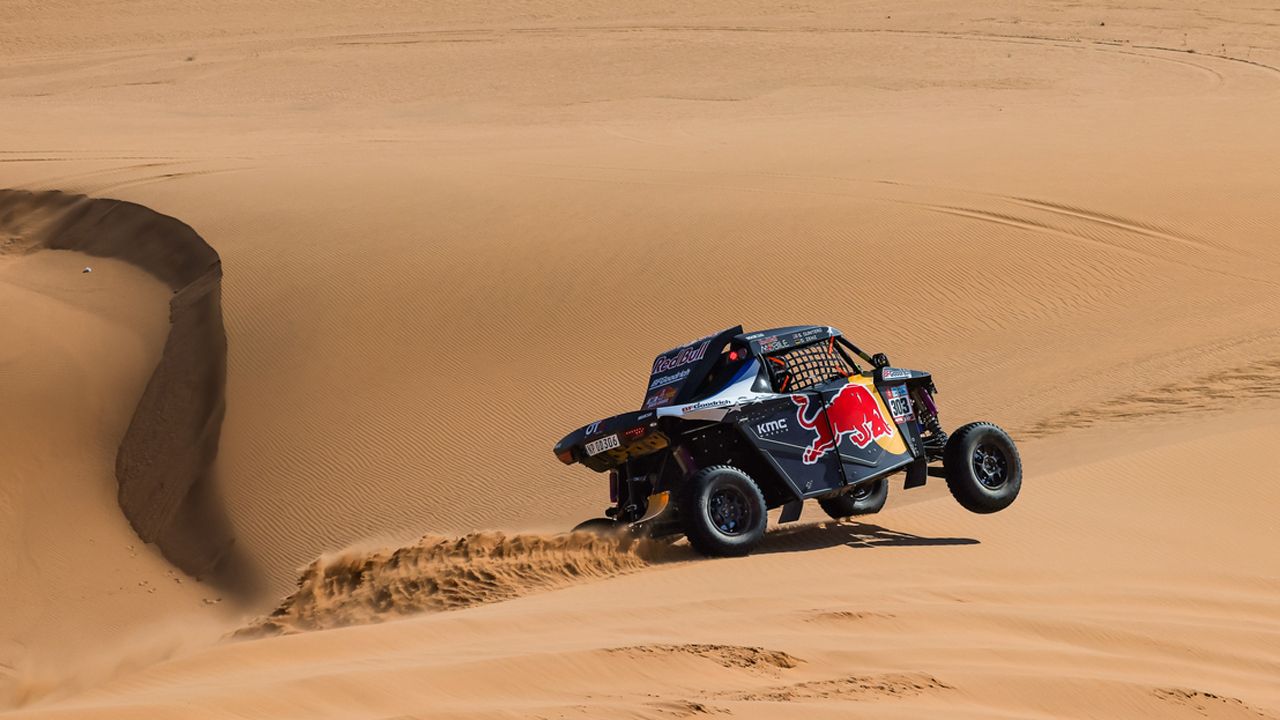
729 510
990 466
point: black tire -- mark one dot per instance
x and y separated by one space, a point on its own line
598 526
984 471
865 499
722 511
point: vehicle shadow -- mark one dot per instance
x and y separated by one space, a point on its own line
849 534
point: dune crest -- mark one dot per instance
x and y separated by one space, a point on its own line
165 460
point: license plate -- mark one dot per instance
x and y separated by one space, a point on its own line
595 447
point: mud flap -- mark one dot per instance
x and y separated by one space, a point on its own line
917 474
657 504
791 511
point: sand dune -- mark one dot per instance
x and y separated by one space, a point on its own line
75 465
447 234
77 352
925 610
162 465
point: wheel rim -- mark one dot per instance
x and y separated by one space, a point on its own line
991 466
729 511
863 491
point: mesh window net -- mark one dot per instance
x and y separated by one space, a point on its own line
804 367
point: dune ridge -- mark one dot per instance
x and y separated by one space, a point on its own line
165 459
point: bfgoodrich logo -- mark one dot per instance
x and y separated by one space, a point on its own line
771 427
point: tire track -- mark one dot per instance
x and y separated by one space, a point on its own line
1256 381
1035 226
1218 78
162 177
1120 223
1065 210
1114 46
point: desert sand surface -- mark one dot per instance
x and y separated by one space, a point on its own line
373 260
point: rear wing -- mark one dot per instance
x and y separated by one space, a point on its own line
677 373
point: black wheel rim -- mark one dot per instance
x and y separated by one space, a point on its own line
991 466
863 491
729 511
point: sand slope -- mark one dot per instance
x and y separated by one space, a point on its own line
77 354
1127 607
450 234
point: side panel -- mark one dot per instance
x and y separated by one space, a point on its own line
783 429
902 409
864 432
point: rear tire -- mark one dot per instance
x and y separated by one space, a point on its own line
865 499
722 511
983 468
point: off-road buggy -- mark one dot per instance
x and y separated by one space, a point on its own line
737 423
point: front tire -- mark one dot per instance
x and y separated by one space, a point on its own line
983 468
722 511
865 499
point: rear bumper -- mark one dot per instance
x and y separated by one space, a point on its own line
610 442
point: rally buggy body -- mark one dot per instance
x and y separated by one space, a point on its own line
736 423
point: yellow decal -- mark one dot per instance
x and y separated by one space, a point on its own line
892 443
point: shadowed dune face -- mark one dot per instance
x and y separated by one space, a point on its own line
164 463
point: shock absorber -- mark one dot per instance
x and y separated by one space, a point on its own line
935 438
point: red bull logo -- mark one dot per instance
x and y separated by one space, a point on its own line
852 413
686 355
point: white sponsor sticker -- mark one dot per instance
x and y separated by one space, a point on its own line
899 403
668 379
607 442
705 405
772 426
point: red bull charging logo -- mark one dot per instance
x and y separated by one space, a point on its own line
852 413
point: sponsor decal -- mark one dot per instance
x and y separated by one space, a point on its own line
686 355
705 405
660 398
772 344
772 427
775 343
807 336
668 379
852 413
899 403
593 428
895 374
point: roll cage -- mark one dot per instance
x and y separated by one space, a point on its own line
792 359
